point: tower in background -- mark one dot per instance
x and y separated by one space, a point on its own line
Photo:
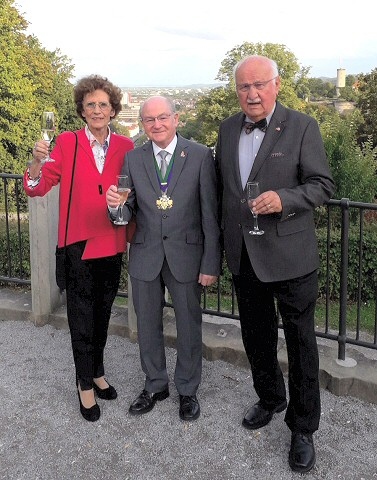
340 80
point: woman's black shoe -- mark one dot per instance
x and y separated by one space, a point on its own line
108 393
91 414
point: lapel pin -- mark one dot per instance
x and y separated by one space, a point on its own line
277 129
183 154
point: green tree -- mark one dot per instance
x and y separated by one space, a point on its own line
222 102
27 88
319 89
17 91
350 92
367 103
353 166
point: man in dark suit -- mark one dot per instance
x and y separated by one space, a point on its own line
176 244
285 154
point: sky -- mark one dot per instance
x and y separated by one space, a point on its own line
172 43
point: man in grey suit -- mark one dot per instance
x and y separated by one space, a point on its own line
282 149
175 245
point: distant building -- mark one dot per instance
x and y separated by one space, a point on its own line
340 80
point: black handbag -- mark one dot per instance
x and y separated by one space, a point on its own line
61 252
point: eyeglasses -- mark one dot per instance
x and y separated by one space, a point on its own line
164 117
102 105
245 87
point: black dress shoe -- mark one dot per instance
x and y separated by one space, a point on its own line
258 416
91 414
108 393
302 453
146 401
189 408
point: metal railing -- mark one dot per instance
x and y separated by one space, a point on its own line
220 301
14 231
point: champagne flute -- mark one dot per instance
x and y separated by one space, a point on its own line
253 191
123 190
48 130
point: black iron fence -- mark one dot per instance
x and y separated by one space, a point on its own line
14 231
346 309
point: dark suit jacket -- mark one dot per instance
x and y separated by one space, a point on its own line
186 234
292 162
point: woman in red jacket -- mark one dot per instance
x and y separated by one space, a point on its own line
94 245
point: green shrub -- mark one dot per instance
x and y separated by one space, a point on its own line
360 256
16 262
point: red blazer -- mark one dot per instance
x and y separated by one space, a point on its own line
88 218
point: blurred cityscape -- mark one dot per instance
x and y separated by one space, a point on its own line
184 98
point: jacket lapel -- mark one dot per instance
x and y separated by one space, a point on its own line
180 157
274 130
147 158
235 140
85 145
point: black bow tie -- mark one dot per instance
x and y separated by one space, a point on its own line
249 126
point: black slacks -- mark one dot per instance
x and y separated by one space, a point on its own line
296 299
91 289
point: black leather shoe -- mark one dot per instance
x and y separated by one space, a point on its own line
146 401
189 408
302 453
108 393
91 414
257 416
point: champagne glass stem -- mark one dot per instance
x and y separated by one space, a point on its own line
121 212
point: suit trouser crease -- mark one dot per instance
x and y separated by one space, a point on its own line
296 300
148 297
91 289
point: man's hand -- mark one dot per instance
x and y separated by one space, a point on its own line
112 197
267 203
206 280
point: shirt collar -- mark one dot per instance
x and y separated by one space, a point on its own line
170 148
92 139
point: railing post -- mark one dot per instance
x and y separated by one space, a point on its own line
344 247
43 228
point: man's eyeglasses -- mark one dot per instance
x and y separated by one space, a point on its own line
102 105
245 87
164 117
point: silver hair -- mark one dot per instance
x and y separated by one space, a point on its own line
273 64
168 100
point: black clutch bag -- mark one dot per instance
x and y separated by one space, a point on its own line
60 271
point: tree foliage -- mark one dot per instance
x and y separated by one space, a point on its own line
27 88
367 103
353 166
222 102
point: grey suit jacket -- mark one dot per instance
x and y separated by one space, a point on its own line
291 161
186 234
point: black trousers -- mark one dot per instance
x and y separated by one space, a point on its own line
296 301
91 289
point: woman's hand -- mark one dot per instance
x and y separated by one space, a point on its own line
40 151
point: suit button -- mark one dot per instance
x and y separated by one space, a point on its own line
164 237
164 216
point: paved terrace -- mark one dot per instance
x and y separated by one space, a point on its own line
44 437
